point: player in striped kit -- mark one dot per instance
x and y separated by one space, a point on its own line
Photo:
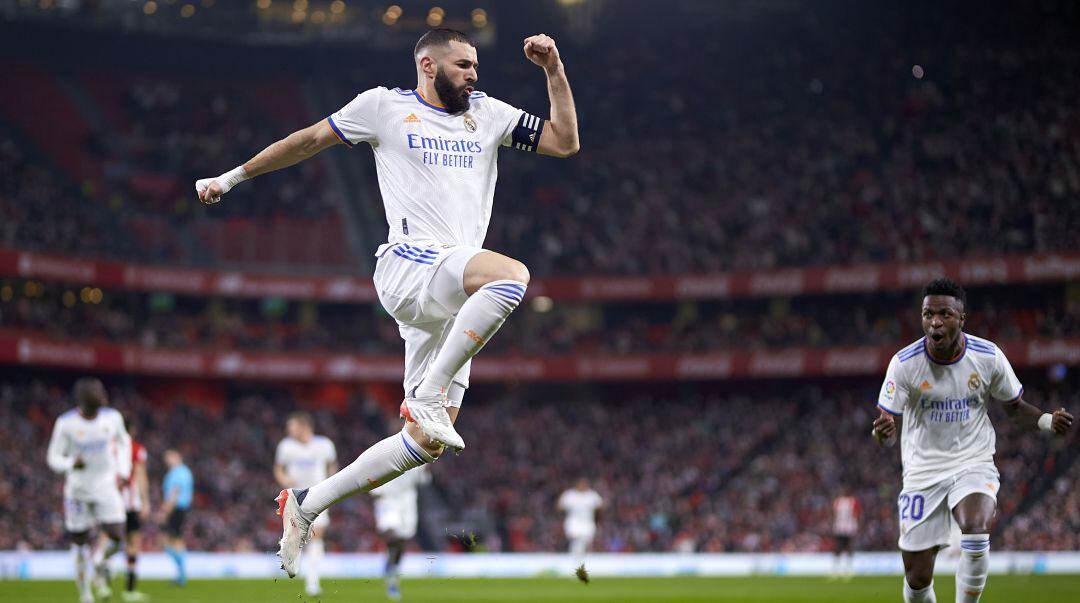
91 448
846 511
436 149
135 492
942 385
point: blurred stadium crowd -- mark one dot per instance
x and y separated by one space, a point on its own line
780 157
753 468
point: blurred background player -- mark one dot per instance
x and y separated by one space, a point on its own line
136 495
135 491
304 459
90 446
944 383
395 505
846 511
178 490
581 504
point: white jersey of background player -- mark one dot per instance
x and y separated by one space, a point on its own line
91 448
580 504
435 151
942 385
395 505
304 459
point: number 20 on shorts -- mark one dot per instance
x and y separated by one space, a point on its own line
911 507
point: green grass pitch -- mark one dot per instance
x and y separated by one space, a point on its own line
1014 589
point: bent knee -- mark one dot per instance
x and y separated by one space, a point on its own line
918 580
513 270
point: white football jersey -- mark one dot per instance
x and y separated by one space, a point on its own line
305 464
580 507
402 490
946 427
101 443
436 170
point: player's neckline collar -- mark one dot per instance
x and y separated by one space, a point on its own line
957 358
420 98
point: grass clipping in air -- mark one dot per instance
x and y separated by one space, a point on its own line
582 574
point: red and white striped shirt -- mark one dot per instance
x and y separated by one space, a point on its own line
846 512
130 490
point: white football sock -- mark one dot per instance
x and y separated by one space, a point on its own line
374 467
479 318
973 567
313 556
83 568
925 595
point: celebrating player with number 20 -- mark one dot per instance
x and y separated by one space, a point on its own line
942 385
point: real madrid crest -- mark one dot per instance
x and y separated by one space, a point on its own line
470 123
973 382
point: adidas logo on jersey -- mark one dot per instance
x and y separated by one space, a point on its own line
925 385
412 119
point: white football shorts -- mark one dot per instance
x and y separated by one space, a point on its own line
926 519
422 287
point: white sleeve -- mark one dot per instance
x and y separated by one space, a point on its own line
1003 383
520 129
58 458
123 448
562 501
280 454
893 393
331 451
356 122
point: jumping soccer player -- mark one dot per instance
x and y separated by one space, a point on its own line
90 446
943 383
302 460
435 152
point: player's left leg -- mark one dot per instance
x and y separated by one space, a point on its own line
110 542
481 290
975 515
316 549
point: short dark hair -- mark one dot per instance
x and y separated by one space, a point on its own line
441 37
945 286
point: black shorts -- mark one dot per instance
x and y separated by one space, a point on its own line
174 525
843 542
134 523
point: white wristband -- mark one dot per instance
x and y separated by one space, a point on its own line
1045 421
231 178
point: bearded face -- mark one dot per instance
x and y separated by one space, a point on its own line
454 98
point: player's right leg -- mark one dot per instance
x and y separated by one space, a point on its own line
377 465
132 545
78 521
919 576
925 525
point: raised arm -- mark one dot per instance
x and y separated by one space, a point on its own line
288 151
560 135
1029 416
